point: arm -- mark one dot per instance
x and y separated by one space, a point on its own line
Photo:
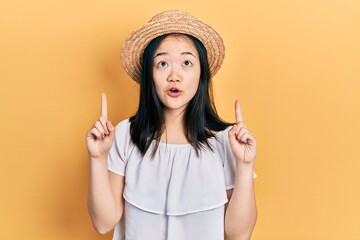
105 202
241 212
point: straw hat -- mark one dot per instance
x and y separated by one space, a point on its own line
172 21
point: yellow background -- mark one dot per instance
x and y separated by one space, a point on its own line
295 66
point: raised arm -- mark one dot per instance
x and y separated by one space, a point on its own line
241 212
105 201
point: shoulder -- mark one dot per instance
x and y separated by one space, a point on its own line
221 141
122 130
123 126
123 143
222 135
124 123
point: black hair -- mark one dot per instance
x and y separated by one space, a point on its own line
200 117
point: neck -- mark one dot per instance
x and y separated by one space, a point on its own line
174 127
174 118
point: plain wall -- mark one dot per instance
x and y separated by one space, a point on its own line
294 65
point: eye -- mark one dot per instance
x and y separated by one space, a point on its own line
162 64
187 63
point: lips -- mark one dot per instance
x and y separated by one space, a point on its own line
173 91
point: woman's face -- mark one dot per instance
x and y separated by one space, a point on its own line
176 72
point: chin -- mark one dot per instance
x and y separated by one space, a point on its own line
173 107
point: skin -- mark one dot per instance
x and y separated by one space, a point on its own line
176 63
241 212
105 201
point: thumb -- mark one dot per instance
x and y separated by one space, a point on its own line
232 133
111 129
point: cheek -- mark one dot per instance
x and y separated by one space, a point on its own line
194 85
196 78
156 79
157 88
157 84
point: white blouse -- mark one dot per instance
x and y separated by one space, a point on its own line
175 195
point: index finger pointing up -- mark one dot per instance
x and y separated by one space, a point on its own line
103 105
238 114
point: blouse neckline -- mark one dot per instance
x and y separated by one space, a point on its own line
182 144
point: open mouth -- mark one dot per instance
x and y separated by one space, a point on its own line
174 90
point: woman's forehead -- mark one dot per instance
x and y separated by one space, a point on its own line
177 42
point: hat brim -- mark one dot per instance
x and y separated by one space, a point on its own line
182 23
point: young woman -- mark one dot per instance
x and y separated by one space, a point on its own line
174 170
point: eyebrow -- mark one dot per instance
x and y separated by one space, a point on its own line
164 53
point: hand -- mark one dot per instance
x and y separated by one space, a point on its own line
100 137
242 141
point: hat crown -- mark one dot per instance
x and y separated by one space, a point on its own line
171 15
167 22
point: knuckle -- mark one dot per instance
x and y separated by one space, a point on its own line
102 119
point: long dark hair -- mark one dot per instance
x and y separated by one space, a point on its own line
200 117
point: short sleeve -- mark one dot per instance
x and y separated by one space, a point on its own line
229 161
118 152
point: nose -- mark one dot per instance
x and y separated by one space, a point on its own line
174 80
174 76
